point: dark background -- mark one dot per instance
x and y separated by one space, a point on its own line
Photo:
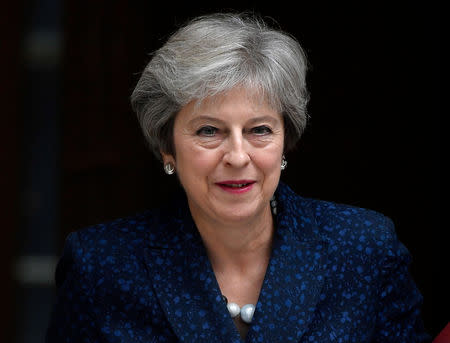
73 155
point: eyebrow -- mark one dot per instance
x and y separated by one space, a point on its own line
217 120
262 118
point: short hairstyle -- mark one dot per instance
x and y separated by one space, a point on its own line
211 55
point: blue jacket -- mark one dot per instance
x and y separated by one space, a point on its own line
337 274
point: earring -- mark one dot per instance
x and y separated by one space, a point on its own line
283 163
169 168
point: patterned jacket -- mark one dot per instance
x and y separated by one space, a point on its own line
337 273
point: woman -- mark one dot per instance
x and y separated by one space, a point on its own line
239 256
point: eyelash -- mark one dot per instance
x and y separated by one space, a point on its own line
203 131
266 129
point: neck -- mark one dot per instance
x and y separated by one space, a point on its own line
238 247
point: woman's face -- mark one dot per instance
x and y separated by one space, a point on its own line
228 155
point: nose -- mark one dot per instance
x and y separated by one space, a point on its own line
236 151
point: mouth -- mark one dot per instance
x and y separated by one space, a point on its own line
236 183
236 186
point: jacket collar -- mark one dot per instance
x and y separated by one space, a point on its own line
185 284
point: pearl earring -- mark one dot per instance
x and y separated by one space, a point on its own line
169 168
283 163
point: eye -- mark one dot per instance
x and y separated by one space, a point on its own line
261 130
208 131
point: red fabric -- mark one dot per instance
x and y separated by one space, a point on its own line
444 336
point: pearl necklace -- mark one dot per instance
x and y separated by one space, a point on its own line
248 310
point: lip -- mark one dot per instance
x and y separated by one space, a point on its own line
240 190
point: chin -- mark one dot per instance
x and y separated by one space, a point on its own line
238 214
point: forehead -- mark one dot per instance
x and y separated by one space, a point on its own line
237 103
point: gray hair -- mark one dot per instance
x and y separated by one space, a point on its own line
213 54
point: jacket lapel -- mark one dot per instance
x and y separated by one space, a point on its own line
294 277
185 284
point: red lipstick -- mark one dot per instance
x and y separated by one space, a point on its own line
236 186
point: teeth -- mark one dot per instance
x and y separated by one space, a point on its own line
236 185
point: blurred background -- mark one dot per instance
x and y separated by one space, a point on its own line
72 154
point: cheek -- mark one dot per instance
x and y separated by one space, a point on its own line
195 160
269 160
270 164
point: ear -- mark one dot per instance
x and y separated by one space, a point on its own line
167 158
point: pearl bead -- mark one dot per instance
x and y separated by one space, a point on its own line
247 312
234 309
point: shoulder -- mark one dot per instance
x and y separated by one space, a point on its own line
343 220
116 246
122 242
102 275
129 233
101 242
362 244
114 235
367 267
340 224
104 260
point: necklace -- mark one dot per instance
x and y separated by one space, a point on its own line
246 312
